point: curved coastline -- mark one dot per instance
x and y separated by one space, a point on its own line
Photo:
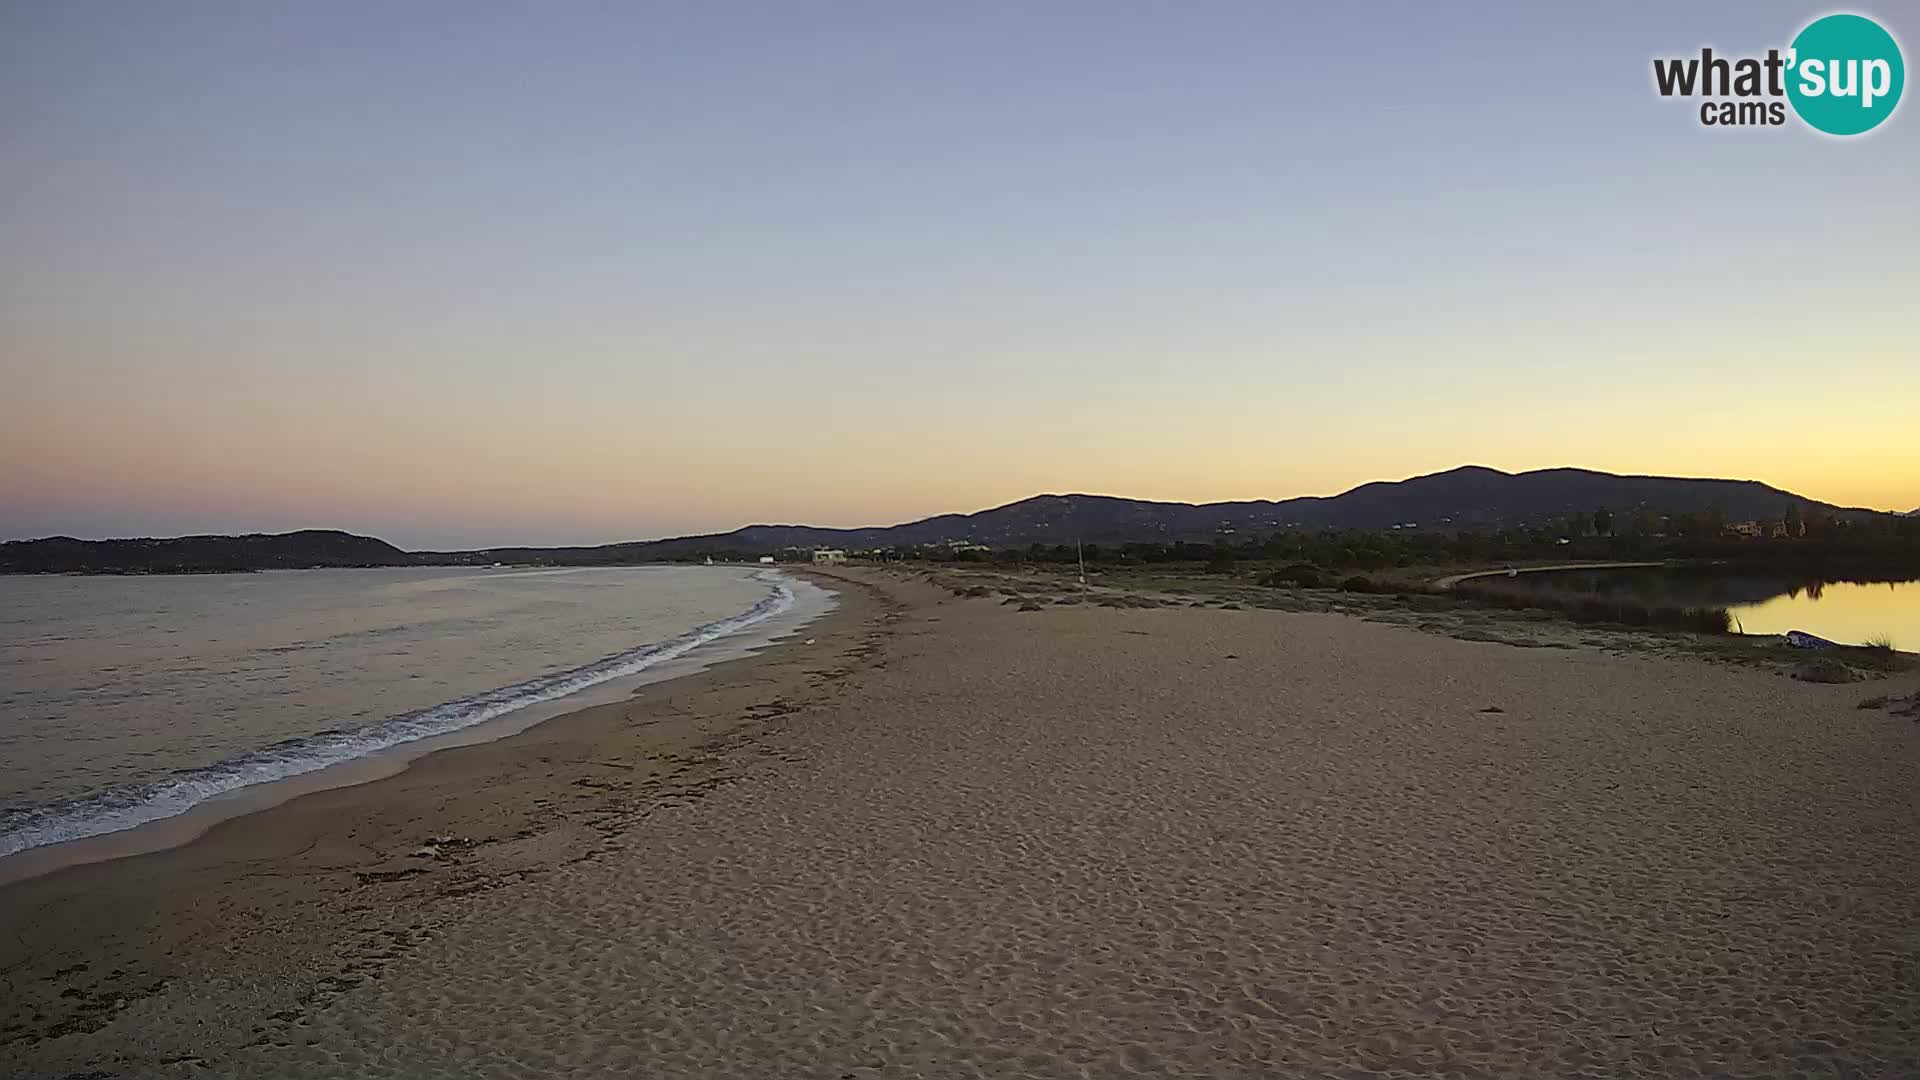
135 819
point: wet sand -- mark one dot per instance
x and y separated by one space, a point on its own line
954 838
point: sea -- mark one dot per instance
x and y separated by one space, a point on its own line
126 700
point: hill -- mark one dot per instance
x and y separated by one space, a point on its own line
1466 497
1463 498
307 549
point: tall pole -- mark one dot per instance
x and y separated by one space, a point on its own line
1080 553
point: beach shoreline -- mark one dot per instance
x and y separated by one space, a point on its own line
133 904
172 831
963 832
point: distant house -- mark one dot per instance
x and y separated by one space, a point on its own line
1748 528
766 560
825 556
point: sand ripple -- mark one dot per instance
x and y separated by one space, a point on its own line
1091 843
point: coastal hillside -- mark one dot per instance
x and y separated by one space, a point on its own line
1464 498
1467 497
306 549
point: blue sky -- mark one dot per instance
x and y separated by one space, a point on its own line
489 273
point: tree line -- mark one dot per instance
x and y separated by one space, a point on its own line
1884 544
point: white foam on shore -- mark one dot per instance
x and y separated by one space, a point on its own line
130 805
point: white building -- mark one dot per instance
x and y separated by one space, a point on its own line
825 556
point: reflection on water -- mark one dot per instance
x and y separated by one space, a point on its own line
1844 611
1850 612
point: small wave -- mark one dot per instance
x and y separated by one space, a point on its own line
127 805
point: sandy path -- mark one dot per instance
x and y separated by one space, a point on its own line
1181 842
1451 580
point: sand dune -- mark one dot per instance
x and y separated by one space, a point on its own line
1097 842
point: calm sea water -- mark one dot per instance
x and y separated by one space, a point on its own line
129 699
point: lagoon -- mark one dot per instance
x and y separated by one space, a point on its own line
1849 612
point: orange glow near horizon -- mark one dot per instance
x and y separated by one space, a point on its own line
513 456
372 287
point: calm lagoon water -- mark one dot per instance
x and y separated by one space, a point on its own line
1851 613
125 700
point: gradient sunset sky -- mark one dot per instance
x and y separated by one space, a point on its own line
473 273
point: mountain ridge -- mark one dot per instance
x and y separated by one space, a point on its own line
1467 496
1464 497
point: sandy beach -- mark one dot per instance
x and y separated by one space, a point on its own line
943 836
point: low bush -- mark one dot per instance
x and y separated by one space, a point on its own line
1299 575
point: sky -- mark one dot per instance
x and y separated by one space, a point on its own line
470 274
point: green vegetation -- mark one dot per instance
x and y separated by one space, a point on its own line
1774 651
1584 607
1831 549
1298 575
1406 598
1349 568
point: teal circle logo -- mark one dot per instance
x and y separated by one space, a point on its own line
1845 74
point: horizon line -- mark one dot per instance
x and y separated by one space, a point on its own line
1467 467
